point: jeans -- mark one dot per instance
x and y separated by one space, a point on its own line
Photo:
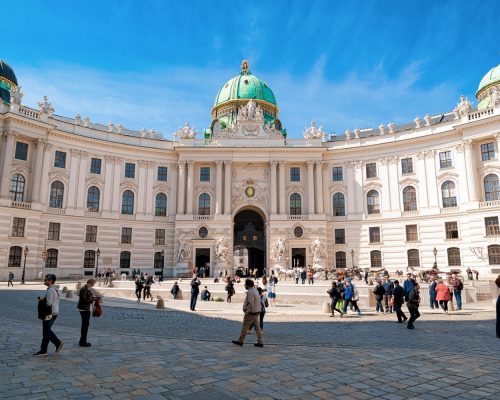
296 281
387 298
138 293
9 282
444 304
303 281
399 312
311 281
350 301
333 306
48 335
147 293
379 307
85 326
194 298
414 314
498 317
458 298
433 302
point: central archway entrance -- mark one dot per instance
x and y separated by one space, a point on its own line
249 241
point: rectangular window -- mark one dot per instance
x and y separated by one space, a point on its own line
162 175
205 174
21 151
95 166
337 174
18 227
371 170
160 236
488 151
91 233
411 233
451 229
339 236
445 159
126 235
60 159
295 174
54 231
492 227
374 233
130 170
407 166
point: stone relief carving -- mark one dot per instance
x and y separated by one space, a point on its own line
318 250
186 132
495 96
313 132
260 194
464 107
46 106
279 251
222 249
182 249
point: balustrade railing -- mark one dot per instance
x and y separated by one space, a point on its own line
449 210
127 216
481 114
21 204
28 112
374 216
54 210
491 203
95 214
201 217
298 217
411 213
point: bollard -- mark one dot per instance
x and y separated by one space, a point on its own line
64 289
78 287
327 308
69 294
160 304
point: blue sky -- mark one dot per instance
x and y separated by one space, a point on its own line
158 64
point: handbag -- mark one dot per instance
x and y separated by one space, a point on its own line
97 310
391 301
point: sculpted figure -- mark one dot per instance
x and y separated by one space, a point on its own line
16 94
182 249
318 250
46 106
186 132
222 249
278 252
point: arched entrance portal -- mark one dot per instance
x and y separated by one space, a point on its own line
249 241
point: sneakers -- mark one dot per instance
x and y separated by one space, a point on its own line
410 327
341 314
40 354
87 344
59 348
258 344
237 342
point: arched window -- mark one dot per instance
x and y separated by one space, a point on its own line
454 257
413 258
56 194
340 259
375 259
493 254
161 205
338 205
51 261
295 204
409 198
204 204
449 194
373 202
125 259
128 202
89 259
15 254
159 260
93 198
491 188
17 187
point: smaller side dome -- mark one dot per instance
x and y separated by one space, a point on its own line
7 72
8 81
488 87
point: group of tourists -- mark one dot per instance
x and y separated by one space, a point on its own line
106 277
143 283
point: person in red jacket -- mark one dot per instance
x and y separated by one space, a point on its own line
443 295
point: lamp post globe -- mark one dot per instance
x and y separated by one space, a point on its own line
26 251
97 253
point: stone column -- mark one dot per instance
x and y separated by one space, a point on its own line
282 193
7 165
465 180
81 193
218 187
274 205
74 171
116 196
143 187
394 184
228 187
310 187
108 184
470 164
432 186
359 195
181 187
350 203
422 181
327 204
190 187
172 177
44 189
36 176
319 188
385 196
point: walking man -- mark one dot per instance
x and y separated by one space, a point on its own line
148 281
195 291
457 286
379 293
432 293
399 299
85 300
413 303
389 289
350 296
10 279
48 309
252 308
335 295
139 285
408 284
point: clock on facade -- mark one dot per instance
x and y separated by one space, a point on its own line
250 191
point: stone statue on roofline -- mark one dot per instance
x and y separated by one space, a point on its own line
186 132
313 132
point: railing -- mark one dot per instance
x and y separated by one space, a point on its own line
28 112
491 203
411 213
127 216
374 216
339 218
21 204
481 114
95 214
449 210
298 217
54 210
201 217
245 142
160 218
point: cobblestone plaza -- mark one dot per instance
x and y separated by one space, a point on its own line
142 353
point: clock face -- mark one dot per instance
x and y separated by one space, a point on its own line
250 191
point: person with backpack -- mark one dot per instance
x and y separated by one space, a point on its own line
48 310
139 285
195 291
379 293
335 296
85 300
175 289
230 290
457 287
10 279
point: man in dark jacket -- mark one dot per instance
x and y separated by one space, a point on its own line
175 290
399 299
379 293
195 291
139 285
85 300
148 281
408 284
335 295
389 289
457 286
413 303
432 293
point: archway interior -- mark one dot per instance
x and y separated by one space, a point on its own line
203 260
249 235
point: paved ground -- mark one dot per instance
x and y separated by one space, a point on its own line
142 353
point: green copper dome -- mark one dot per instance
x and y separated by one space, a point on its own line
489 84
492 77
8 81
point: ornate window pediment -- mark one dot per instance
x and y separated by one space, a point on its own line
408 181
161 187
372 186
58 175
21 169
447 176
128 185
95 180
489 169
337 187
295 189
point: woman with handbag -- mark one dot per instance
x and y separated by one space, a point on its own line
85 300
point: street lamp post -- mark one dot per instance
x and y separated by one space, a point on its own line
162 264
352 257
434 251
26 251
97 253
45 255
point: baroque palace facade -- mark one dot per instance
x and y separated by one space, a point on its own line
245 195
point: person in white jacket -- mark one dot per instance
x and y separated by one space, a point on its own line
251 308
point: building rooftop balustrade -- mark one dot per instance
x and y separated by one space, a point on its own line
21 204
298 217
450 210
488 204
201 217
127 216
54 210
250 142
